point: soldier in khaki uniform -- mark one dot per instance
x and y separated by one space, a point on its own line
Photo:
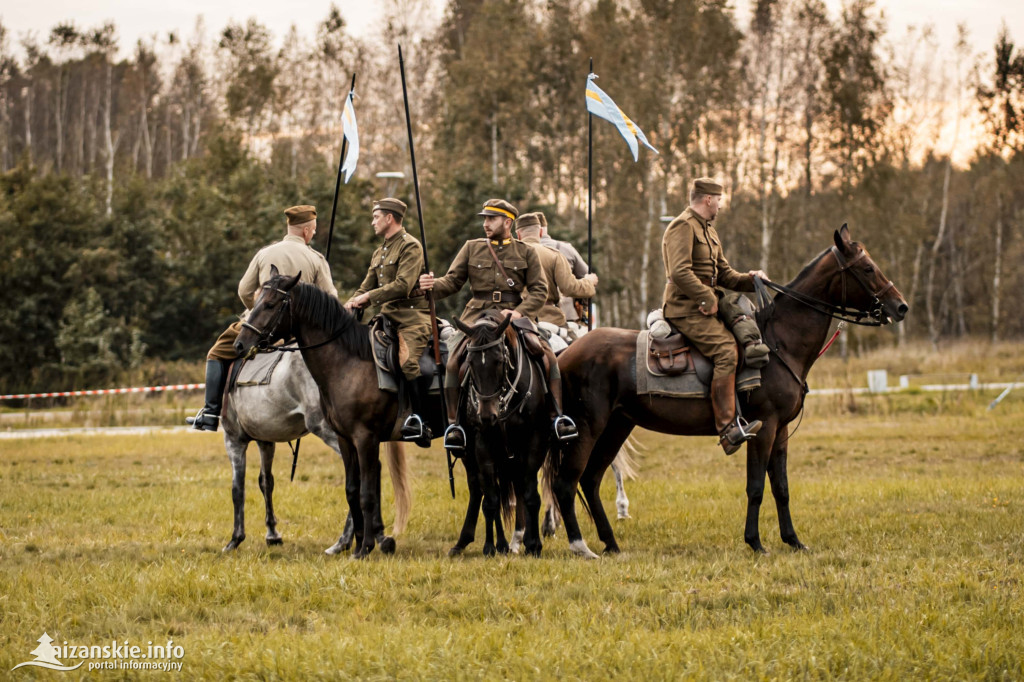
291 255
695 266
557 272
390 283
519 292
579 269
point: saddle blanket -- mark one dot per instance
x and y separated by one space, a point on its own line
259 370
687 385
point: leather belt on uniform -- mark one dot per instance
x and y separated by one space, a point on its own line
708 281
501 297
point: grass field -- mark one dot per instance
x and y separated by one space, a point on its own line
911 506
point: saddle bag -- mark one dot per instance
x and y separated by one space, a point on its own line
669 356
737 312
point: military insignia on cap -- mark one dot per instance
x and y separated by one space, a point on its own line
499 207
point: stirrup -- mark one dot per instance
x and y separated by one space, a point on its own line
738 433
565 428
454 438
203 421
416 431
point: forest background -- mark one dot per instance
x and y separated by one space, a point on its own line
135 189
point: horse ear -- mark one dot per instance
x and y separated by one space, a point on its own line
463 327
504 325
290 282
842 238
274 272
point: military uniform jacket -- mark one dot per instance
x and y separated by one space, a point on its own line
695 265
559 278
393 274
291 255
474 264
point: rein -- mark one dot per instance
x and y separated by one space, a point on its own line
264 336
504 399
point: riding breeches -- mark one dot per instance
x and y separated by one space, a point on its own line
710 336
416 339
224 348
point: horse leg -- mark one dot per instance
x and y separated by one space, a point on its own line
491 506
267 487
236 453
317 425
758 450
605 450
475 498
386 542
368 448
355 515
621 501
530 497
564 489
779 479
520 530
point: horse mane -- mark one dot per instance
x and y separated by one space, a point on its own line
320 309
807 269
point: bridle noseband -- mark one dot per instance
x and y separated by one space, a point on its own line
265 336
505 384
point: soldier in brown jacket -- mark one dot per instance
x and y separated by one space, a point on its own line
695 266
291 255
561 280
504 274
390 283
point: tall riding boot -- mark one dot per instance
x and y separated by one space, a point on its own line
415 427
733 431
563 425
208 417
454 435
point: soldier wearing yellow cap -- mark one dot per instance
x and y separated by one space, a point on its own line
291 255
504 274
695 269
390 283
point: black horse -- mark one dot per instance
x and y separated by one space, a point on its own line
600 381
508 419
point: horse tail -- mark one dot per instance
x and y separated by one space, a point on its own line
625 461
395 454
547 477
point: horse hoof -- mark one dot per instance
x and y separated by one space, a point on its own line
799 546
233 545
336 548
580 549
624 515
361 553
387 545
455 551
277 540
488 550
612 549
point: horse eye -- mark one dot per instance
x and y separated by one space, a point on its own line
868 270
270 305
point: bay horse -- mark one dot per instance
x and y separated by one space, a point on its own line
599 375
286 408
509 430
338 353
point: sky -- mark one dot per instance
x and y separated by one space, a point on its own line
143 18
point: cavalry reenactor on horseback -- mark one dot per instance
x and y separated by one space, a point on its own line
562 282
291 255
503 274
390 283
579 268
696 271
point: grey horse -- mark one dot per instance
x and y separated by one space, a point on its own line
283 408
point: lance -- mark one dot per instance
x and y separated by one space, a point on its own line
341 162
590 204
426 267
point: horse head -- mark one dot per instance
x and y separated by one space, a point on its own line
488 361
871 292
270 319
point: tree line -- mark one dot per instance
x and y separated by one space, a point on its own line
134 190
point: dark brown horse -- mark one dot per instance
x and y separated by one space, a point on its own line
600 380
508 432
337 352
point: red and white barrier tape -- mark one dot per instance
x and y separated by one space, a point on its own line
105 391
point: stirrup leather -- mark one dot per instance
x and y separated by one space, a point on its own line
568 425
454 431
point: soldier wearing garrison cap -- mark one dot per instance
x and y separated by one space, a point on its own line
390 283
560 277
695 272
503 274
579 268
292 255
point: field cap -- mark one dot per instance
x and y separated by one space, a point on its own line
391 204
299 215
528 220
499 207
707 186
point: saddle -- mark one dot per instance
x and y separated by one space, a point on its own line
390 351
672 356
255 372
